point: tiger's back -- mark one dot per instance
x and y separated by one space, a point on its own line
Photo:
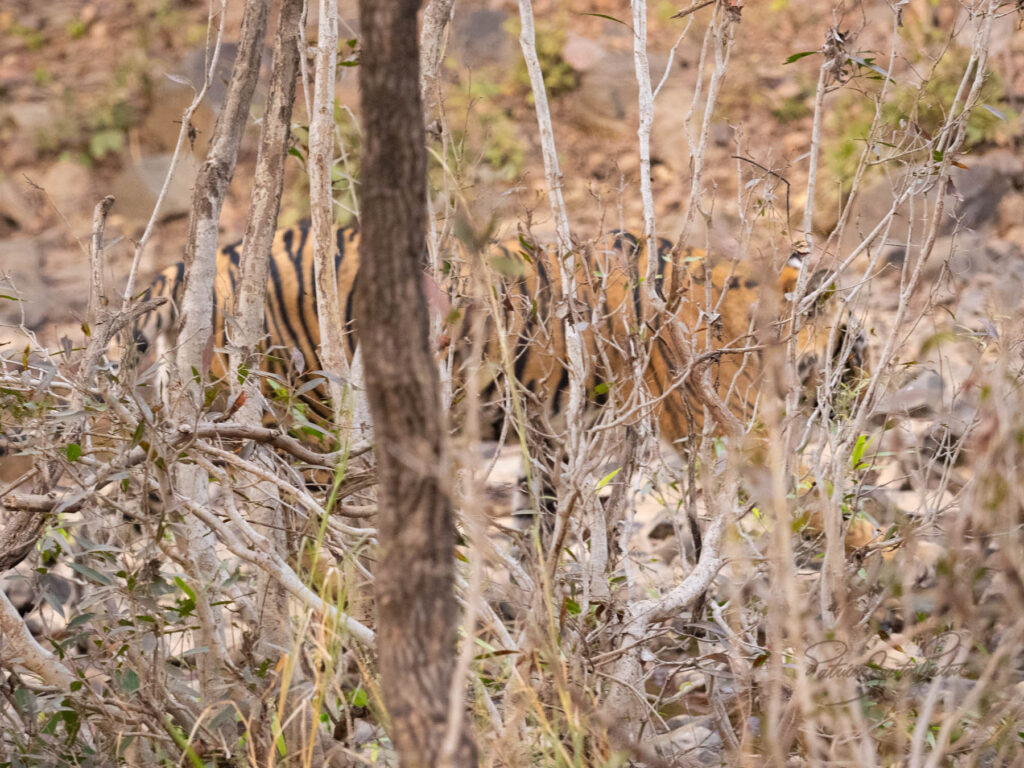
717 305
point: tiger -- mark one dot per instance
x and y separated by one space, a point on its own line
716 303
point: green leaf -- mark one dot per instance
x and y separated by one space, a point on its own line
358 698
79 620
606 17
24 698
185 587
90 573
608 478
73 451
106 141
798 56
310 385
128 680
282 748
870 64
572 607
858 451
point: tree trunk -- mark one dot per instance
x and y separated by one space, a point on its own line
415 578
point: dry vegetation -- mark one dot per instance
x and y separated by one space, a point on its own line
840 581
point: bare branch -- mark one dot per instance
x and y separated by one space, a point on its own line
19 647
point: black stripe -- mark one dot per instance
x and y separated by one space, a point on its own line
232 252
666 356
303 294
339 246
521 354
179 284
632 269
286 332
562 386
543 289
349 309
659 280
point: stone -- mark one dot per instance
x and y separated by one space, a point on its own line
920 397
69 186
479 38
1010 213
581 53
693 737
22 276
982 186
721 134
30 116
138 185
17 212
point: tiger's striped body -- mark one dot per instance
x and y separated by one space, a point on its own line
716 304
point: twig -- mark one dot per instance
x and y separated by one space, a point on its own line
646 119
20 647
321 207
769 171
693 9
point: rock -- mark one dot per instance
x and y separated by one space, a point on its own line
17 212
175 89
22 259
944 440
29 116
1010 213
20 125
692 737
581 53
982 187
920 397
162 122
605 101
479 38
667 552
721 134
138 185
70 188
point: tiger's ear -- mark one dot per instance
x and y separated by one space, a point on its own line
790 275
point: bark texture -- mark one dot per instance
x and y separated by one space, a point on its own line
274 632
415 578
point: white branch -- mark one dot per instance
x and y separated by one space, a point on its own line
19 647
